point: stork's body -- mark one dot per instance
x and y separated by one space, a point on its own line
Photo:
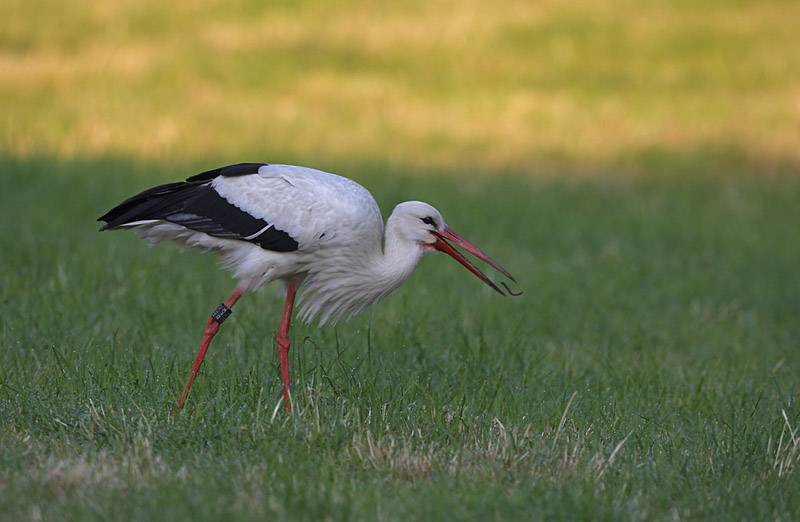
302 226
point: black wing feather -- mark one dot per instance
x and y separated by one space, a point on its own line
240 169
195 205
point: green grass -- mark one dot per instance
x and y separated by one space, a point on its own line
634 164
648 372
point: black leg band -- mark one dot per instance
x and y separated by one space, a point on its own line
221 313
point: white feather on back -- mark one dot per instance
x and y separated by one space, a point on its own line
306 203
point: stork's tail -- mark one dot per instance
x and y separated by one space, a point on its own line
151 205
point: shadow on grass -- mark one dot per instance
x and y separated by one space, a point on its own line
649 366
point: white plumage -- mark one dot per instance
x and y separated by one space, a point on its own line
310 229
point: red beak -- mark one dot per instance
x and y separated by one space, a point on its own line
443 246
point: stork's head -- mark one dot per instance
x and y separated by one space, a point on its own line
420 222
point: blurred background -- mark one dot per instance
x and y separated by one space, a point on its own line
548 87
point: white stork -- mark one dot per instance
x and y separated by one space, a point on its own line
302 226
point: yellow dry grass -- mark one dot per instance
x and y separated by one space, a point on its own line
508 84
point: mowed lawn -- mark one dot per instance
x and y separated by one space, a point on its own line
649 371
635 166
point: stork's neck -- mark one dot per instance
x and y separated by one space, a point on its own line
367 278
399 258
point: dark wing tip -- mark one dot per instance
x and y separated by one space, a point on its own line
239 169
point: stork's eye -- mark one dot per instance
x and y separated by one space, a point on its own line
428 221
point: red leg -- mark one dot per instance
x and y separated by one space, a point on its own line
283 342
212 327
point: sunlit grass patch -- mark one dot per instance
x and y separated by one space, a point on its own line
524 86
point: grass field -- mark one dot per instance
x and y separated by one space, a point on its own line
634 165
648 372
